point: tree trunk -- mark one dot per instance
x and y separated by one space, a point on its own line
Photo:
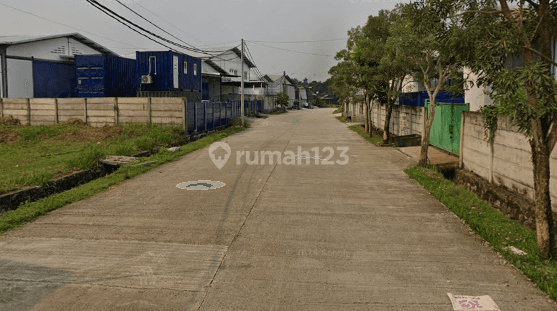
370 118
386 129
366 122
422 162
542 200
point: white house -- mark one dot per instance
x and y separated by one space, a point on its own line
281 83
42 66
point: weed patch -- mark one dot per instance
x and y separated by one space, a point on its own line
376 139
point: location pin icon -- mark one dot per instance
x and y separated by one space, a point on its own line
220 162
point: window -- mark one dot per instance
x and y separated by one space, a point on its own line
245 75
195 69
185 67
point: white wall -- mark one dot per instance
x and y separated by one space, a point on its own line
50 49
409 85
229 60
475 96
20 78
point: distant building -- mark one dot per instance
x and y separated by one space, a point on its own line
281 84
42 66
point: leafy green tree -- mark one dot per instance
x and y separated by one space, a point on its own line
282 100
430 47
495 32
393 66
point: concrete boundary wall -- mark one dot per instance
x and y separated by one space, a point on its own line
405 120
508 162
95 111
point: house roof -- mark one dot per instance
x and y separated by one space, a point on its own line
275 78
246 59
216 67
12 40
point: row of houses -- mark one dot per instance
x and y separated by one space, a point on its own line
72 65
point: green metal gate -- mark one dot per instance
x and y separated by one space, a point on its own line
445 130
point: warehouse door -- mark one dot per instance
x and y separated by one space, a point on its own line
175 71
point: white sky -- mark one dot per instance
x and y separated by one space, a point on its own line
210 22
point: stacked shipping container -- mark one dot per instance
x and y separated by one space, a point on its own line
105 76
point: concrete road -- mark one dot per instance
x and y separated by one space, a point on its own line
347 236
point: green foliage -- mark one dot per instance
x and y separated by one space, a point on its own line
282 99
490 114
376 139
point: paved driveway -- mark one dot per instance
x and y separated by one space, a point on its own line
347 236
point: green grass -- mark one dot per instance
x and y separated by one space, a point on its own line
342 119
30 211
376 139
339 110
491 225
41 153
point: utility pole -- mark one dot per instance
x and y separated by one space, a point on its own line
242 85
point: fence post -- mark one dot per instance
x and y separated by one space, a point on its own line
461 153
491 160
116 112
56 118
195 117
205 115
185 114
1 107
213 113
150 111
29 111
85 109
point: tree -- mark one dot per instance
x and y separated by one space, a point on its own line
393 66
282 100
494 34
362 66
429 46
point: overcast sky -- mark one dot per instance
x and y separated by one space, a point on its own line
210 24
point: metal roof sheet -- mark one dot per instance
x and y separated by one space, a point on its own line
12 40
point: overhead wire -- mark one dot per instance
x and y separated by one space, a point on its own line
127 7
273 47
309 41
116 16
137 3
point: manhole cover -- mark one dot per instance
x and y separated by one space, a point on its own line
201 185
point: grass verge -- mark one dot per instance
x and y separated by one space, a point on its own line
376 139
30 211
342 119
492 226
36 154
280 111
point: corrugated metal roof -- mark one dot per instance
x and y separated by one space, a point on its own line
12 40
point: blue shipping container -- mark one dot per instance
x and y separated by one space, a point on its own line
168 71
53 79
105 76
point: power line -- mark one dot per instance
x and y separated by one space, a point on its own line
128 22
272 47
153 23
309 41
117 18
137 3
84 31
